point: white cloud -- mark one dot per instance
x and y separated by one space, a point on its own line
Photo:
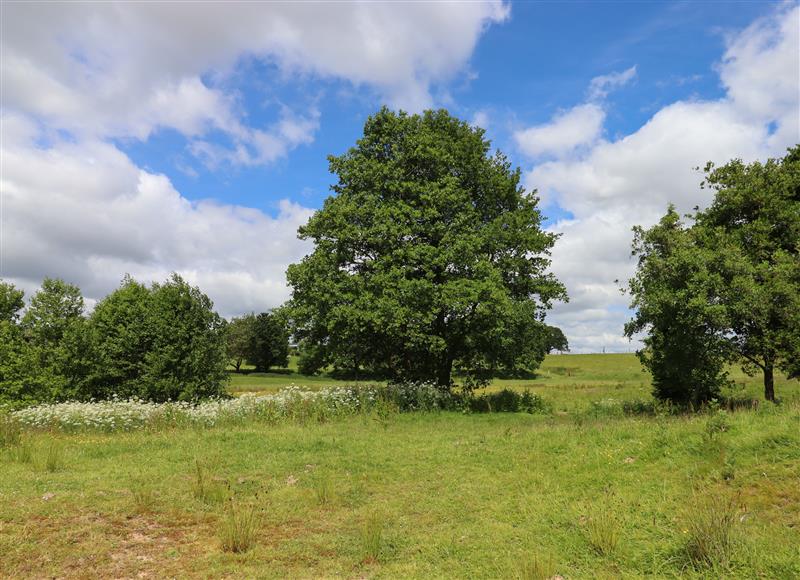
580 126
614 185
573 131
78 75
126 69
599 87
85 212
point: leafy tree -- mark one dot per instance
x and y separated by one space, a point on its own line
556 340
21 382
50 355
124 334
238 337
186 359
11 302
753 226
268 344
52 309
726 288
429 256
685 350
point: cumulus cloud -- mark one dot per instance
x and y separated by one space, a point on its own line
126 69
613 185
573 130
580 126
85 212
79 76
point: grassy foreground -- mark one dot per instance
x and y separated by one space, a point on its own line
581 493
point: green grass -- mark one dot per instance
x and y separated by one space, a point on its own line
569 381
574 494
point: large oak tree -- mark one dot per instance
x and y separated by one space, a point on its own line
429 257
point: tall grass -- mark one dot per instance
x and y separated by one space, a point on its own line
711 530
239 526
371 536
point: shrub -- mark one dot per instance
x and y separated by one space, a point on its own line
508 401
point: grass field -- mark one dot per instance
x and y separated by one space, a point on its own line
579 493
570 381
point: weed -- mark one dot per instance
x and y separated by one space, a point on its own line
10 432
371 534
603 532
711 530
143 495
324 489
536 568
204 488
239 526
54 456
23 452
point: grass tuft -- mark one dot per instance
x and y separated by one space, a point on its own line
143 495
538 567
324 489
239 526
54 456
603 532
371 535
711 530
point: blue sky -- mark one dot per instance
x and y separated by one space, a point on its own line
538 62
193 137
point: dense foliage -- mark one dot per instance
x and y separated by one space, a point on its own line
726 288
159 343
429 257
259 340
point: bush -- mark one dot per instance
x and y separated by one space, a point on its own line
508 401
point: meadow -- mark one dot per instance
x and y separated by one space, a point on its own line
587 489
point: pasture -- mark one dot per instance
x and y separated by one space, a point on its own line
583 491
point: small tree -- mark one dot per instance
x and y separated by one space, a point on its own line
753 227
268 344
239 334
122 327
187 357
430 256
11 302
685 350
556 340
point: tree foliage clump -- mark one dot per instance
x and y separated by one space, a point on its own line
726 288
159 343
259 340
430 257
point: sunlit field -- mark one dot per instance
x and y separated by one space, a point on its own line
582 491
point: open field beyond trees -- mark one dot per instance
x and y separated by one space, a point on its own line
581 491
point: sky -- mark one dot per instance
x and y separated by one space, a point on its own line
146 138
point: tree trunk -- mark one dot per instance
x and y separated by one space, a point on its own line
444 371
769 381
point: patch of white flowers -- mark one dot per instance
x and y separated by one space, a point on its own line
123 415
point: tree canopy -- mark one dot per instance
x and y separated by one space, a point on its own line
429 256
728 286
